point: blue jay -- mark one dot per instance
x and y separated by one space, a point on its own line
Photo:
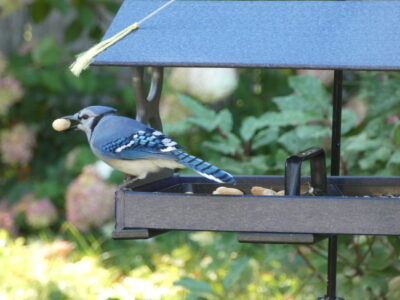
135 149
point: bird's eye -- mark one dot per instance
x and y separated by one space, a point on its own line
84 117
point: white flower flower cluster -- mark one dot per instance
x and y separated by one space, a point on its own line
205 84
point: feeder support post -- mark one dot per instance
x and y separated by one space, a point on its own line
147 106
148 111
335 170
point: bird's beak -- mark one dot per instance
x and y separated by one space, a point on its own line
72 118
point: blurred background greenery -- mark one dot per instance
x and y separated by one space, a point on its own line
56 199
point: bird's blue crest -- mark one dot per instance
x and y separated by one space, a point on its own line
99 109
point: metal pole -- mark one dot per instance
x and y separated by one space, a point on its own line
336 122
335 171
332 257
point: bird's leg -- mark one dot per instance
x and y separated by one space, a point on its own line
128 180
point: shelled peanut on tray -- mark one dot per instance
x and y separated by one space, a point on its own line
222 190
255 190
261 191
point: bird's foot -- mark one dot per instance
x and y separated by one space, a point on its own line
127 182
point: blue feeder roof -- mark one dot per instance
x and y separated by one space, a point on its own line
360 35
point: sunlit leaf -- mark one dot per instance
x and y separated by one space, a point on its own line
265 137
236 268
176 128
395 158
86 16
51 80
203 117
73 30
308 132
349 120
303 137
382 154
224 120
291 102
46 52
229 145
96 33
287 118
361 142
195 286
396 134
196 108
248 128
61 5
39 10
312 90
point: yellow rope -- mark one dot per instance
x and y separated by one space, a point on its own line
84 59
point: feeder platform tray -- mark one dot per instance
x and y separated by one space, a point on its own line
166 205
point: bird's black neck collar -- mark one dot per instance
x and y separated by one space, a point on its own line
97 119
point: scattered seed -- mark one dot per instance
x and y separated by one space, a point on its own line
222 190
260 191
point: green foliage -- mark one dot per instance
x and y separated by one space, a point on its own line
302 120
373 150
235 271
197 288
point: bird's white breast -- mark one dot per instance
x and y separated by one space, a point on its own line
141 167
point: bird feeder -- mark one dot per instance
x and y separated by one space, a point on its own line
331 35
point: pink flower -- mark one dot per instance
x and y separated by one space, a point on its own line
326 76
16 144
59 248
20 207
7 218
40 213
393 119
89 200
10 92
3 64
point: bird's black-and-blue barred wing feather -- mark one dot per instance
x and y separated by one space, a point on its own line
148 140
204 168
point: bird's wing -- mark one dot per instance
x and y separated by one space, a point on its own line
143 144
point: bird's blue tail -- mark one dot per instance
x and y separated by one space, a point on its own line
203 168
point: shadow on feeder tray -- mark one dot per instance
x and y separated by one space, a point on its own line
131 182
